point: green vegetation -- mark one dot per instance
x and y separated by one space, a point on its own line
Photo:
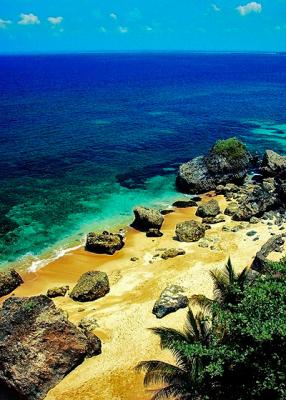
236 351
30 305
230 148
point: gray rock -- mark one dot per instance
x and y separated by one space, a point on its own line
208 209
171 299
184 203
57 291
91 286
147 218
260 262
231 208
190 231
154 232
104 243
254 220
171 253
88 323
251 233
273 163
213 220
9 281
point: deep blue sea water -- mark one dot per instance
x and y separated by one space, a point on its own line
84 138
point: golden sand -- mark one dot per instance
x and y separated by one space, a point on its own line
125 314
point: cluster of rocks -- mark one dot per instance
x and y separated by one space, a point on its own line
9 281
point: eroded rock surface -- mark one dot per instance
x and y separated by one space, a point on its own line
104 243
190 231
91 286
171 299
9 281
208 209
147 218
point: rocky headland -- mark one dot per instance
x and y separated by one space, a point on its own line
109 292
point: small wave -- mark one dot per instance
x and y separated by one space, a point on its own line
40 263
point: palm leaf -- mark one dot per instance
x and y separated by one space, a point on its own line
172 392
230 272
202 301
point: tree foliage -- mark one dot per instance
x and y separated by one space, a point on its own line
231 148
238 351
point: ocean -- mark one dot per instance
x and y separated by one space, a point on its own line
84 138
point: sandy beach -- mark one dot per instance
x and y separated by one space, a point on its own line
125 314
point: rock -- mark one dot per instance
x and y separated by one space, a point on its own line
171 299
251 233
231 208
273 163
190 231
209 209
213 220
9 281
184 204
91 286
134 259
57 291
88 323
171 253
154 232
203 243
229 188
93 344
38 346
166 212
104 243
147 218
226 162
260 261
254 220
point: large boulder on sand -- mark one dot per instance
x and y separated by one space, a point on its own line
171 299
147 218
227 161
91 286
38 347
190 231
104 243
273 163
260 261
9 281
208 209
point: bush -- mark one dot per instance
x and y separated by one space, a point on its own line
230 148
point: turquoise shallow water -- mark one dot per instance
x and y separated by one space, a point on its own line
83 139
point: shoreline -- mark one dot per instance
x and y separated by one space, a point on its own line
125 314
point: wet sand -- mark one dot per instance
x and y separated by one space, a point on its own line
125 314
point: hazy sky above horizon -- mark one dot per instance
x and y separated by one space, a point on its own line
98 25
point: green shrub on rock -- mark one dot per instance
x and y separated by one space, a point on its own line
231 148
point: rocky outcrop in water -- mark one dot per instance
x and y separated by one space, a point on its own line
171 299
190 231
91 286
147 218
38 346
273 164
226 162
9 281
208 209
273 244
104 243
184 204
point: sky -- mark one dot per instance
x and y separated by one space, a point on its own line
56 26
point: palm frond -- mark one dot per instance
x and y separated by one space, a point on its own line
202 301
221 284
191 326
159 372
169 337
172 392
230 272
242 278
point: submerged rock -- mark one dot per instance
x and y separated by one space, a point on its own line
9 281
91 286
226 162
147 218
171 253
171 299
38 346
260 261
208 209
104 243
273 163
190 231
57 291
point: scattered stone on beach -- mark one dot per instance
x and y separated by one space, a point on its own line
204 243
205 173
171 299
9 281
184 203
171 253
190 231
93 344
57 291
154 232
208 209
39 346
254 220
91 286
88 323
229 188
213 220
260 261
273 163
166 212
147 218
134 259
231 208
251 233
104 243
